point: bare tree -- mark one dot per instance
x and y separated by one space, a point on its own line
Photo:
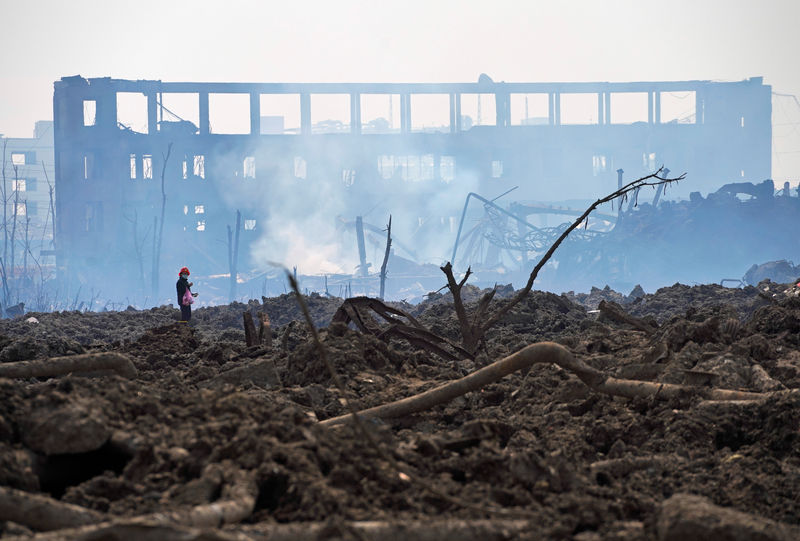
474 328
160 235
386 256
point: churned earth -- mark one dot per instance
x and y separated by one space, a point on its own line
537 446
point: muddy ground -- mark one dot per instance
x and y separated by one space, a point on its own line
203 403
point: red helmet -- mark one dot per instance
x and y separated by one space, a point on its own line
184 270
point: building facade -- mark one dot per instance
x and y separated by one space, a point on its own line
279 151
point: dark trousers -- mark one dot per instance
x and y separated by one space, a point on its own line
186 312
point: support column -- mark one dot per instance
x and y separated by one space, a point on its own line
255 113
658 107
607 100
601 118
405 113
355 113
458 112
650 107
453 115
305 114
551 108
204 127
152 111
558 108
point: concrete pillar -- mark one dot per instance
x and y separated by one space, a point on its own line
405 113
658 107
453 115
204 126
458 112
619 178
607 107
305 114
355 113
255 113
601 119
551 108
558 108
152 112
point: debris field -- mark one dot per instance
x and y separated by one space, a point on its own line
155 429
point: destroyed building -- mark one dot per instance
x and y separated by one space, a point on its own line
276 152
28 176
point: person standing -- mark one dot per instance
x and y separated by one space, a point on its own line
183 286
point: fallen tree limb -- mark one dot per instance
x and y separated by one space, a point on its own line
43 512
686 517
236 504
620 467
374 530
543 352
614 312
103 362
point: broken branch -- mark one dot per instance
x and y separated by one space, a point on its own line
543 352
59 366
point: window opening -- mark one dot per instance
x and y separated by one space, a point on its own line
629 107
147 166
579 108
17 158
529 109
229 113
380 113
330 113
478 110
18 185
348 176
598 164
199 209
497 168
201 225
447 168
300 167
430 112
280 114
133 166
678 107
89 112
132 112
249 167
249 225
199 169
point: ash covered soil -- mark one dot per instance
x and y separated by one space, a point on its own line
204 405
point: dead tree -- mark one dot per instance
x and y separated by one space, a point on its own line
474 328
233 255
160 238
385 256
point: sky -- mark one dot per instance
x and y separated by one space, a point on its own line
409 41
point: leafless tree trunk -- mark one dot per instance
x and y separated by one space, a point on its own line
233 255
14 232
386 256
473 329
158 240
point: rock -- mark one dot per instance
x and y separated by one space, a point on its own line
32 320
261 373
72 427
686 517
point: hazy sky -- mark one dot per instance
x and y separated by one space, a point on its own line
408 41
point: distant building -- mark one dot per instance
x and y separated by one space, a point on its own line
29 172
411 150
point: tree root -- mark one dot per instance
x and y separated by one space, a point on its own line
101 363
236 504
543 352
438 530
42 512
